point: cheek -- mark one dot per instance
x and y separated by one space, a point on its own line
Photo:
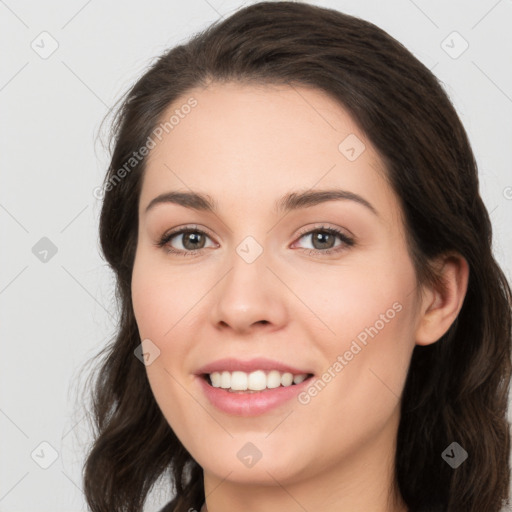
147 304
370 315
157 298
365 371
349 300
158 309
161 300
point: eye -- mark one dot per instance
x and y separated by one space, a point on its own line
191 238
323 239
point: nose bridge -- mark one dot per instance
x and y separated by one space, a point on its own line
249 293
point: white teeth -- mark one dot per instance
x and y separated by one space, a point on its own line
257 380
273 379
216 379
286 379
299 378
239 381
254 381
225 380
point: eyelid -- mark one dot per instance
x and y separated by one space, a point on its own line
179 230
348 240
319 226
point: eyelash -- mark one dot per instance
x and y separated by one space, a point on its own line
347 241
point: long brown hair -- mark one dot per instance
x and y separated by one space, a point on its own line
456 388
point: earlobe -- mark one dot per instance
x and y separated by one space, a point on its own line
442 303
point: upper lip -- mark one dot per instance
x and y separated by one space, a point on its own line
259 363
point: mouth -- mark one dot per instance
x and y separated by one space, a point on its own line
252 387
257 381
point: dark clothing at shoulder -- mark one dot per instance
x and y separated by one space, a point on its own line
169 507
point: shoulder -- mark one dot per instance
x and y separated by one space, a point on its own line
169 507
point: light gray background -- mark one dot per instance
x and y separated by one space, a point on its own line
57 314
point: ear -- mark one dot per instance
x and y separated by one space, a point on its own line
441 303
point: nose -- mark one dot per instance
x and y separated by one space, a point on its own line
250 297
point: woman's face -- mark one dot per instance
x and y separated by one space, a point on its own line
268 290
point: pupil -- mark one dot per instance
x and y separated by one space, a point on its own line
195 236
319 237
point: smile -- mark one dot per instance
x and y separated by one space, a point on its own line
258 380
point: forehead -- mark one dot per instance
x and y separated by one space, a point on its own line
242 141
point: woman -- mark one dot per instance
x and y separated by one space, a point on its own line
366 370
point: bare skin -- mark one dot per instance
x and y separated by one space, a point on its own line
247 146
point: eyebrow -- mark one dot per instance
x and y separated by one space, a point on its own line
291 201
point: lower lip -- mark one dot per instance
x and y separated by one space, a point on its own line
250 404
